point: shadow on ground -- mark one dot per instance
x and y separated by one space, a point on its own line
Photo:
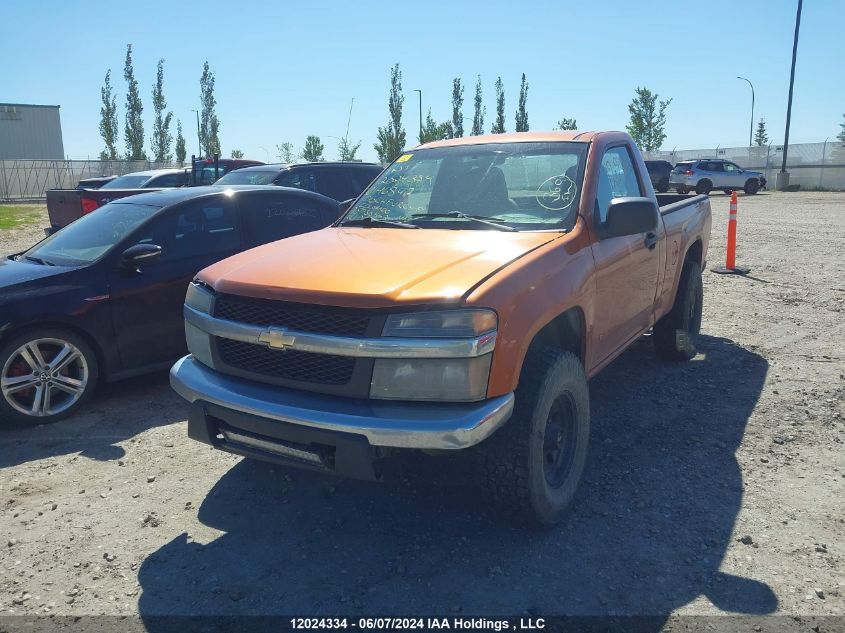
654 518
117 412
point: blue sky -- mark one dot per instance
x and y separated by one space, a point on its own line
288 69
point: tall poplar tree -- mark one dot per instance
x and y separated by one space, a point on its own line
457 108
108 119
133 131
391 138
162 138
521 112
499 123
209 123
479 111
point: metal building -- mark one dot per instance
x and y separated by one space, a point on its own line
30 132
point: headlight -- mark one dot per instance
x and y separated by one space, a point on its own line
440 379
441 324
199 298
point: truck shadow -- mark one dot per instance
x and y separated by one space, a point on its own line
653 522
118 411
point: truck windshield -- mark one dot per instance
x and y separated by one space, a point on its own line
91 236
522 185
129 181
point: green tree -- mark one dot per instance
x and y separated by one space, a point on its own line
457 108
209 123
479 112
346 150
648 119
434 131
181 152
760 136
236 153
521 112
162 138
285 152
313 150
841 135
133 131
567 124
499 123
108 119
391 138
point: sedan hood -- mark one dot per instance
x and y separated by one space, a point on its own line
372 267
14 272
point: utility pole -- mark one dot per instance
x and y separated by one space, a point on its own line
420 91
783 176
751 127
199 141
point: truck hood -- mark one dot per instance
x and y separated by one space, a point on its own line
371 267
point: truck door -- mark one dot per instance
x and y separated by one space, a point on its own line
626 267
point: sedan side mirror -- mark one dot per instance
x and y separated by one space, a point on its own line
139 254
630 216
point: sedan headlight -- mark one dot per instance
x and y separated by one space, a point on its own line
437 379
199 298
441 324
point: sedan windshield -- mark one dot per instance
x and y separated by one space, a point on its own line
91 236
244 177
521 185
129 181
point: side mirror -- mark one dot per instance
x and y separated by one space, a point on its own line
343 207
139 254
630 216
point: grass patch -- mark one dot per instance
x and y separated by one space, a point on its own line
18 216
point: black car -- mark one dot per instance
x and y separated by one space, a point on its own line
658 171
340 181
102 298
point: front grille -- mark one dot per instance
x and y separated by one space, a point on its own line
334 321
289 364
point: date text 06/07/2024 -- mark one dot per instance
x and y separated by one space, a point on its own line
420 624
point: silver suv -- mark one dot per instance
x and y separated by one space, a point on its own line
704 175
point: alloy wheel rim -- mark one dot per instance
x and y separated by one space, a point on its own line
559 442
44 377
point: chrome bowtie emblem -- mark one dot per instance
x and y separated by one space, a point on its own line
276 338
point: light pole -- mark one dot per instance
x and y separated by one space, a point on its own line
421 134
751 127
199 143
783 176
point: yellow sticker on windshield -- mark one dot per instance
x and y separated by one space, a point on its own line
404 158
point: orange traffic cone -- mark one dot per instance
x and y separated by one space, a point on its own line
730 267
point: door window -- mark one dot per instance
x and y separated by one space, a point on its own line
617 179
269 217
299 179
731 168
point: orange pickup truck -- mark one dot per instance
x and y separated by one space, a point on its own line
461 303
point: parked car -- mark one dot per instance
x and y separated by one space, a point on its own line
95 183
658 172
66 205
340 180
462 302
102 299
702 176
208 170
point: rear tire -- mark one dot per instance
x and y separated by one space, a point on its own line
675 334
45 375
704 187
682 190
752 186
532 466
663 185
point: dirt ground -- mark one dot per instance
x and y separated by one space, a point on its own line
715 486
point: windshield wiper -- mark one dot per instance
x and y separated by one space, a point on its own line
480 219
368 221
38 260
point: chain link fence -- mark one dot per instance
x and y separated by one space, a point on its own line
810 165
29 179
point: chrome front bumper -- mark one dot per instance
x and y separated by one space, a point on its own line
383 423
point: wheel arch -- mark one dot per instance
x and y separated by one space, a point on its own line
565 332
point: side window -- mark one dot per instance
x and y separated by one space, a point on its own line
731 168
617 179
299 179
270 217
168 180
337 183
362 179
201 227
717 166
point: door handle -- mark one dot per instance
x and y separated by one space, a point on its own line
650 241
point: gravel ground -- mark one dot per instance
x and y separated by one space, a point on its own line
715 486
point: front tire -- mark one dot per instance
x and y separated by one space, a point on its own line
752 186
532 466
704 186
675 334
45 375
